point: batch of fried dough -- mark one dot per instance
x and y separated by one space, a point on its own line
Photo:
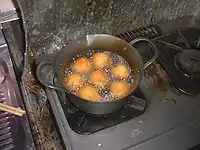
97 77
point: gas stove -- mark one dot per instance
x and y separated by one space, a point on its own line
163 113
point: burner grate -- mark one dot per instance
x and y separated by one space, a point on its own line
180 56
86 124
188 62
151 31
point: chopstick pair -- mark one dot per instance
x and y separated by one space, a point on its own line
12 110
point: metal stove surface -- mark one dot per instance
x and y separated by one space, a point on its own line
171 120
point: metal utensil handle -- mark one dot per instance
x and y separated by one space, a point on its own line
38 74
153 48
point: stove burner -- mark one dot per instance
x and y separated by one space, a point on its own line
188 62
180 57
83 123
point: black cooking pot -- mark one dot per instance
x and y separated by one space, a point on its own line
98 42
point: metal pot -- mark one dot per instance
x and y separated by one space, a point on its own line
96 42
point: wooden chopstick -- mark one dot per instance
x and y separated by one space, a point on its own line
12 110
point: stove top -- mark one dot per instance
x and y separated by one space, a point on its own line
172 118
180 56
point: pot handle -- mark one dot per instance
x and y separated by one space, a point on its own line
155 56
41 78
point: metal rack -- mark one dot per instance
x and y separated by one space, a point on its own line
149 32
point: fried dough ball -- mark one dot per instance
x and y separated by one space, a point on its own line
101 60
89 92
120 71
74 81
98 78
82 65
119 89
